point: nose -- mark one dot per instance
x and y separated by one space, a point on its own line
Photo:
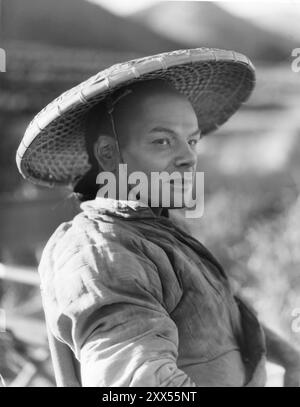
185 156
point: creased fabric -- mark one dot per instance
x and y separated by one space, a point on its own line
139 302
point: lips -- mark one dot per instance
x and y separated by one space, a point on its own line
178 184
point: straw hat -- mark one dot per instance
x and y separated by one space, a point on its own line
215 81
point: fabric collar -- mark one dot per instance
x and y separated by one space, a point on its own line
121 208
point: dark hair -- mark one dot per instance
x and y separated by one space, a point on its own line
97 118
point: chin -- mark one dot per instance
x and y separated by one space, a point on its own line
172 206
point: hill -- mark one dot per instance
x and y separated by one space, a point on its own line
78 23
198 23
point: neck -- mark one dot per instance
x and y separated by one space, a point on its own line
157 211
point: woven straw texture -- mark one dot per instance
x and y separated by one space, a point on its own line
216 82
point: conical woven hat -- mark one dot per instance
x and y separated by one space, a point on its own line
215 81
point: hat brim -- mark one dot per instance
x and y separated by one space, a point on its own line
216 82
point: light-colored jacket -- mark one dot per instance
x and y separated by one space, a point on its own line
131 299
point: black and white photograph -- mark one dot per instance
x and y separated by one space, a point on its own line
149 196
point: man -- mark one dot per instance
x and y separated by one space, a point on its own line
137 300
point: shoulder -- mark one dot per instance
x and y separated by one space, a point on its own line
87 256
82 231
87 247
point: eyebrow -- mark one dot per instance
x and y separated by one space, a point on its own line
161 129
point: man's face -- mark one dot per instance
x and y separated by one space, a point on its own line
158 131
162 136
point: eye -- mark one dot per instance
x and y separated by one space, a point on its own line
162 141
194 142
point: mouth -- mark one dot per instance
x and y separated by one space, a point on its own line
179 185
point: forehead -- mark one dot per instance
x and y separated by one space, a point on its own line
166 109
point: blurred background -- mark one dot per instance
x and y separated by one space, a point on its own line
251 219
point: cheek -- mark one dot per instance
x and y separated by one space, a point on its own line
144 161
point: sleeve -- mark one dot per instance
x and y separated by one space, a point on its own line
109 309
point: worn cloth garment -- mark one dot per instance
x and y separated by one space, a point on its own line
132 299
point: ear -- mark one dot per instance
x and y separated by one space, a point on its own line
105 152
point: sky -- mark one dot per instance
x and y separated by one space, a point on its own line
279 15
